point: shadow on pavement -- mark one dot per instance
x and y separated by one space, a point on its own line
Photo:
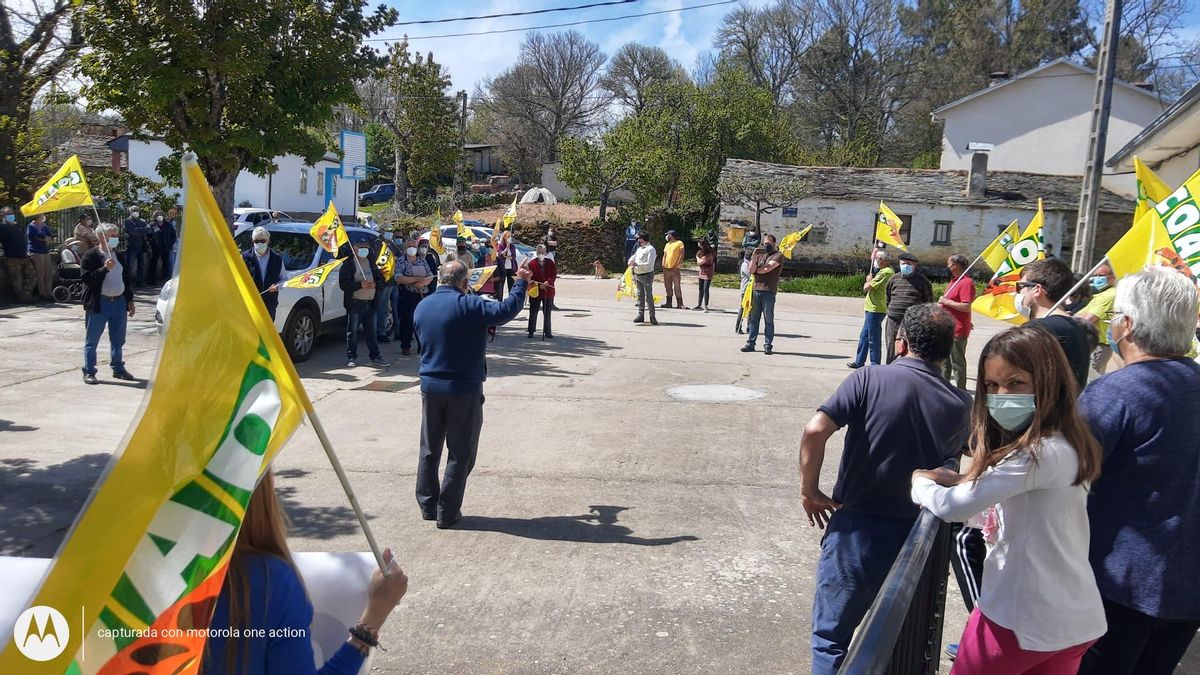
832 357
316 522
598 527
39 503
9 425
514 354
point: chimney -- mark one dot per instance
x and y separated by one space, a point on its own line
977 178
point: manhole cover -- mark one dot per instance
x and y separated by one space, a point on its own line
714 393
387 385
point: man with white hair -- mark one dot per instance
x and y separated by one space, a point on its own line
266 268
107 302
1145 507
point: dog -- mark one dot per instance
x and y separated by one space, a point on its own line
600 272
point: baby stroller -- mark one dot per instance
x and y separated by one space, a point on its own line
70 275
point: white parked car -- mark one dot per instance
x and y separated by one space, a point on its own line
450 239
302 313
245 216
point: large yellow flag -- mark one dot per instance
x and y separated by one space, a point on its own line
1180 212
315 277
997 251
997 300
1150 188
747 300
887 228
329 231
1146 243
65 189
627 289
788 245
145 560
510 215
435 233
479 276
462 230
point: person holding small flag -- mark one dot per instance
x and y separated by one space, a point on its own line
506 264
107 302
413 277
541 292
642 262
871 336
706 264
359 278
386 252
766 265
743 288
957 300
904 290
266 268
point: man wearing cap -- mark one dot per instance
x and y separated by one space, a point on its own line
672 266
904 290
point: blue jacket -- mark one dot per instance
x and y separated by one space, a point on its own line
452 329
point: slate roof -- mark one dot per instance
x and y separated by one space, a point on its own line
93 151
1009 189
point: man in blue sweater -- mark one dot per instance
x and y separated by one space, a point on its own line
452 330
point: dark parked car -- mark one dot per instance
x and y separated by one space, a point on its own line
378 193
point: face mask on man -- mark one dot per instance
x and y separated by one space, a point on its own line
422 251
113 242
363 252
260 247
134 214
1099 283
1115 343
1014 412
1022 308
906 269
541 257
389 236
158 218
10 217
410 251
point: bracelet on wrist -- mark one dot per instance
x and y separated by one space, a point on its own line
364 634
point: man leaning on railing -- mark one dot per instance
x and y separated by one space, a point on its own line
900 418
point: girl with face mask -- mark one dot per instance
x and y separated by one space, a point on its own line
1034 458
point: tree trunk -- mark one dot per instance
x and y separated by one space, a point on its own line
758 219
400 176
603 205
222 182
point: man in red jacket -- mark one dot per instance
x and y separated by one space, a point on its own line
544 275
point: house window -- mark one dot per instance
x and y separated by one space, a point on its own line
941 232
303 181
320 182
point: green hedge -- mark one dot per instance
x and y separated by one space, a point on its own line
841 286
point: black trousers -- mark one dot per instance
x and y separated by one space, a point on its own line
546 306
1138 644
506 278
453 421
967 561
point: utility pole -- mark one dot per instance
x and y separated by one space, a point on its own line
462 141
1089 196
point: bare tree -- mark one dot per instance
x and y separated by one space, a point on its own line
770 43
551 92
634 69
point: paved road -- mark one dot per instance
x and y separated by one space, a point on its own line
609 526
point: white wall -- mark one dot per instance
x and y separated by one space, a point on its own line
1041 124
849 228
1176 170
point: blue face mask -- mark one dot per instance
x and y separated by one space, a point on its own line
1099 283
1014 412
1114 343
10 217
389 236
906 269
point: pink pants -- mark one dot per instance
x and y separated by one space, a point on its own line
988 648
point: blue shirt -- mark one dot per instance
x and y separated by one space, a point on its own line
39 238
1145 507
900 417
452 329
279 603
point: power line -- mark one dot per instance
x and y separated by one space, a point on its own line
556 25
532 11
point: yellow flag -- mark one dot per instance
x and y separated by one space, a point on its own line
152 545
997 251
887 228
480 275
386 260
65 189
788 245
435 234
1146 243
314 278
329 231
1180 212
1150 188
998 299
747 300
625 288
510 215
462 230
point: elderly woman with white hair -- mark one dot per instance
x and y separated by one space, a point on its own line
1145 507
107 302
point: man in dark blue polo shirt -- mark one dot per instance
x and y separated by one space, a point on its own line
899 418
451 327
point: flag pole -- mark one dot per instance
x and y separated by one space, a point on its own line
1079 284
341 474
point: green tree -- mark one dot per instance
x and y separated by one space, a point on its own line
37 44
238 82
624 158
381 148
764 194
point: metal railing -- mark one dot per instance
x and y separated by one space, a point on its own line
902 632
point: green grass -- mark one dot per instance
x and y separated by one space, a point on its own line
835 285
374 209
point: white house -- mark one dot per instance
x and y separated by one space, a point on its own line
941 215
563 192
1039 122
295 187
1170 145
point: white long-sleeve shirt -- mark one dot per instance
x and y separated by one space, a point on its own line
1036 580
643 259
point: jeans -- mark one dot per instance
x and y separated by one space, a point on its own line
1138 644
404 327
361 314
956 366
453 420
545 305
135 256
387 303
705 287
764 307
113 314
869 339
645 291
856 554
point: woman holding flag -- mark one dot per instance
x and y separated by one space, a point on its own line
541 291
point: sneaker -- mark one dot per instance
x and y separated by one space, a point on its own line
653 321
697 308
748 348
952 651
124 375
767 350
706 310
351 363
90 379
639 319
854 365
378 360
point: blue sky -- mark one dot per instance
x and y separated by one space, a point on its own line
684 35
